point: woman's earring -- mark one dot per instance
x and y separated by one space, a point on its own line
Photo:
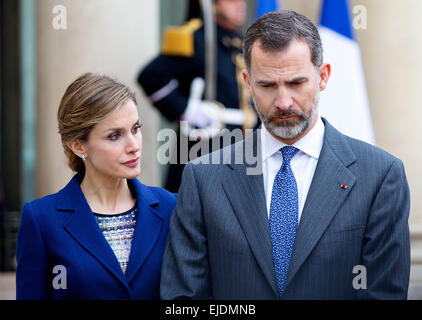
83 156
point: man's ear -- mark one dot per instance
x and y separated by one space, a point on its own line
246 78
324 75
77 147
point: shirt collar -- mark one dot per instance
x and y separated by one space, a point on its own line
311 143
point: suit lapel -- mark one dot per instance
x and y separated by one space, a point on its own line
325 195
148 227
246 195
84 229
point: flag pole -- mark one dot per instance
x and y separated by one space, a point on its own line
210 49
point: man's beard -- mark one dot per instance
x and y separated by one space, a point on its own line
290 129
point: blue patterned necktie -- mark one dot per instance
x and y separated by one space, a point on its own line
284 217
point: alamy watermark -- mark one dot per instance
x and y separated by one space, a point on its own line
359 17
60 280
59 21
180 149
359 281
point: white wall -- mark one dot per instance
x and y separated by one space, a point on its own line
105 36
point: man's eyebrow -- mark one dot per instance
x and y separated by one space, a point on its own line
121 129
265 82
298 79
293 80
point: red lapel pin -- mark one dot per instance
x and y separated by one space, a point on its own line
343 186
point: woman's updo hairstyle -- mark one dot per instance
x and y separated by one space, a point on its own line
87 101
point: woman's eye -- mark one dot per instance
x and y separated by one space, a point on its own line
114 136
136 128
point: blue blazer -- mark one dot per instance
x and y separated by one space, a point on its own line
60 230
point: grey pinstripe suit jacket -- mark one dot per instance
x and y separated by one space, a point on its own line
219 243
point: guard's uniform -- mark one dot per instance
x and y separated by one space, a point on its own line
167 79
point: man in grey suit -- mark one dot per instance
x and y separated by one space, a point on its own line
324 217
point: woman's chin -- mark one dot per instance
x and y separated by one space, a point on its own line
133 174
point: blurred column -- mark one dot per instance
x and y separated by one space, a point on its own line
391 48
105 36
393 64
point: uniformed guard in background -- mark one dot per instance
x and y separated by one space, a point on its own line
172 80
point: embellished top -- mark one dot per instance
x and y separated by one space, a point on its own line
118 230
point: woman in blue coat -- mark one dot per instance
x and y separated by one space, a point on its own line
103 235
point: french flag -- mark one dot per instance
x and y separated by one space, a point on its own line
344 103
264 6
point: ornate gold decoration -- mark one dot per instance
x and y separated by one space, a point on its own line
244 95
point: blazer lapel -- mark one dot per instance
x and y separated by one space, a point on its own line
149 225
246 195
84 229
325 195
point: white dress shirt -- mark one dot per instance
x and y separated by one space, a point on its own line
303 164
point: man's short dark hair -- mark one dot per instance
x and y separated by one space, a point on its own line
276 30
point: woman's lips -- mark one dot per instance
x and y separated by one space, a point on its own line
132 163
